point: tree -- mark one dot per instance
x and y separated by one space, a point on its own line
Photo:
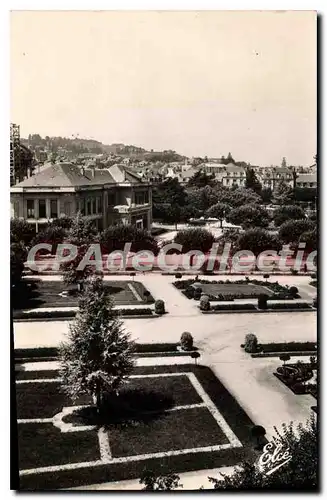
81 233
249 216
18 254
202 198
201 179
291 231
20 230
283 194
284 164
284 357
115 237
288 212
195 239
252 182
310 239
257 240
238 197
52 235
98 355
219 211
168 198
159 483
266 194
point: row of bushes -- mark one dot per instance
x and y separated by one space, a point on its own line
291 306
232 307
262 305
71 314
251 345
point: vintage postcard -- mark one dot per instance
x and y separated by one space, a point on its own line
163 250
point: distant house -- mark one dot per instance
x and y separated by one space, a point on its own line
234 176
306 180
271 177
114 195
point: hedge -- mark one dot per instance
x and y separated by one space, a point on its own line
291 305
52 352
71 314
287 347
233 307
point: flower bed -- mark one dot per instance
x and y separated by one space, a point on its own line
231 290
297 376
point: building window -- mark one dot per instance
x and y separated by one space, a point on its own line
16 209
146 197
82 207
30 209
111 199
88 207
94 206
53 209
68 208
100 205
42 209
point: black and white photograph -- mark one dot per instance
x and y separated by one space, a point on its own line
164 228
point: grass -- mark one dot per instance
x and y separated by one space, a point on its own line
36 440
33 294
161 431
239 289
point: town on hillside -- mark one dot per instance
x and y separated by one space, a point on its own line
164 307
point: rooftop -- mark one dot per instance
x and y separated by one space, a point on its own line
70 175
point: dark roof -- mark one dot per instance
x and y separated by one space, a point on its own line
70 175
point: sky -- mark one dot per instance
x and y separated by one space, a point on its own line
200 83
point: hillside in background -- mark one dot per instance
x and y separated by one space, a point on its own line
79 145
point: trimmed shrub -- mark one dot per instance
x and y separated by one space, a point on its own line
289 305
204 303
233 307
262 301
251 343
178 276
159 307
186 341
313 276
294 291
294 271
315 302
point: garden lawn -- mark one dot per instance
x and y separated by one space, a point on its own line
48 294
168 416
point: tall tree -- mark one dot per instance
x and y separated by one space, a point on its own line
98 355
219 211
283 194
249 216
288 212
252 182
291 231
257 240
81 233
284 164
